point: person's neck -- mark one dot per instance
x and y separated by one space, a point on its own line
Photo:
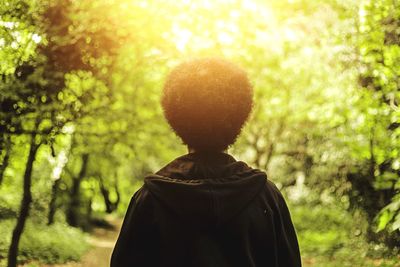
192 150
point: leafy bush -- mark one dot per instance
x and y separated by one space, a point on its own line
329 236
58 243
7 209
321 230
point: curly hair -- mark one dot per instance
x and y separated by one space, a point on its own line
206 102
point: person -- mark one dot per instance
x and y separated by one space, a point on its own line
205 208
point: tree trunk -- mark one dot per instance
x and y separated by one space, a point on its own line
62 160
110 205
106 196
6 158
270 152
25 204
53 202
74 205
116 188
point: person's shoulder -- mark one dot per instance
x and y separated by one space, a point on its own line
142 198
273 191
271 186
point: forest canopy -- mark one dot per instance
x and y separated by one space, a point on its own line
81 123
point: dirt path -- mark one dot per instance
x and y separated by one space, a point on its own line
102 242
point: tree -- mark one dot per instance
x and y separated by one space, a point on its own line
38 92
376 181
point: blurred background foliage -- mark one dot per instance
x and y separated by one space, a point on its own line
81 124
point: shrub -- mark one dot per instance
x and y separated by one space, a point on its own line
58 243
329 236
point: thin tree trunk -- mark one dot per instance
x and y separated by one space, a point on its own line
25 203
116 187
74 205
62 160
270 153
106 196
53 202
89 209
110 205
6 158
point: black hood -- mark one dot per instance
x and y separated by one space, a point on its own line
206 189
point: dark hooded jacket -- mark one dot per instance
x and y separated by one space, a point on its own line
207 210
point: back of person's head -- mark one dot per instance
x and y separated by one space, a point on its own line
206 102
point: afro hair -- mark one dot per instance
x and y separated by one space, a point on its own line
206 102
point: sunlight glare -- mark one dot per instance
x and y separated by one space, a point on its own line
206 24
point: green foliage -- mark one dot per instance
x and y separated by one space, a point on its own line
390 215
329 236
379 48
58 243
322 230
325 119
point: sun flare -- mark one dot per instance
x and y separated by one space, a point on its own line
204 25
